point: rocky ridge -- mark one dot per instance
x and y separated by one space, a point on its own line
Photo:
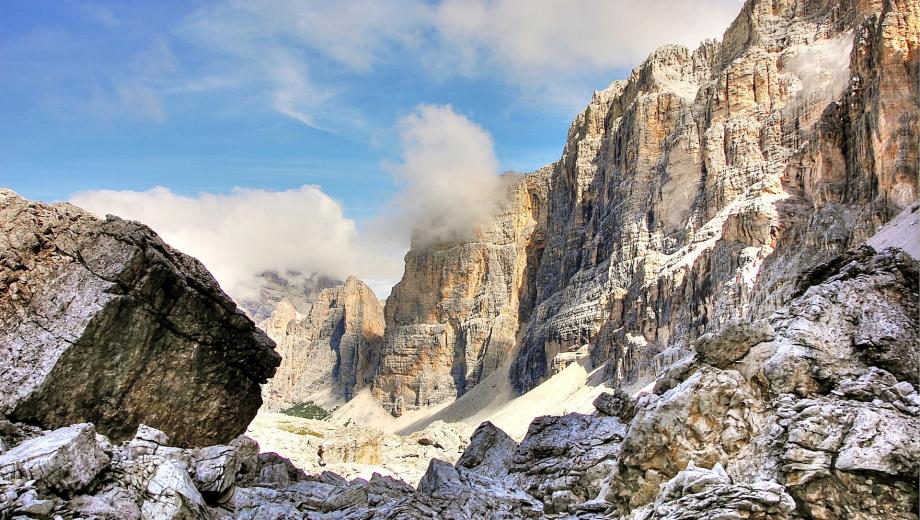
102 322
813 413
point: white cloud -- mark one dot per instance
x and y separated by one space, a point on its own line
448 175
539 39
246 232
448 180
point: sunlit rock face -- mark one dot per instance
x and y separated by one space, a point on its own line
692 193
687 196
333 348
101 321
454 317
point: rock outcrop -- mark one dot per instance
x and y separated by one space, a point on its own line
334 348
454 317
687 196
102 322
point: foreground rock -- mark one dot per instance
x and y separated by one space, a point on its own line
102 322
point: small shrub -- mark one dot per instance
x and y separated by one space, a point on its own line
308 410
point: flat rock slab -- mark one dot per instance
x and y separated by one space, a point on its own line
64 460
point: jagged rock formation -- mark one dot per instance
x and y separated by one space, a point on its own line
687 196
817 416
693 193
333 348
454 316
101 321
297 289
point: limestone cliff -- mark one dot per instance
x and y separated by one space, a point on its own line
688 195
695 191
101 321
333 348
455 315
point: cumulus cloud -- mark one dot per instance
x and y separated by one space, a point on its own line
539 39
448 185
246 232
448 174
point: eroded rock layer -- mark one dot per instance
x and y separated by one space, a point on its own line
102 322
333 348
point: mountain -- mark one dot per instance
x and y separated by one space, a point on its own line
331 351
687 196
727 246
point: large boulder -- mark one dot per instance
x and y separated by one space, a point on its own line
102 322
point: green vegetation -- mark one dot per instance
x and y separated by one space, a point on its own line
299 430
308 410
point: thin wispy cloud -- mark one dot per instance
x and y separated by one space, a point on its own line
547 50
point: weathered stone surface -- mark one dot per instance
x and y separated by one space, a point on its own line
171 494
698 493
732 342
805 417
489 453
564 460
710 417
333 348
617 404
101 321
861 313
216 468
65 460
459 493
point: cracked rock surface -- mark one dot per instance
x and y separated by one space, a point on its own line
102 322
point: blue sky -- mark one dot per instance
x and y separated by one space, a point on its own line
207 96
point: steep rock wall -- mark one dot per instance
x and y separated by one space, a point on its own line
688 195
333 348
455 315
695 191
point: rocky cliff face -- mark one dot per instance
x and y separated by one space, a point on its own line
694 192
455 315
333 348
101 321
689 195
